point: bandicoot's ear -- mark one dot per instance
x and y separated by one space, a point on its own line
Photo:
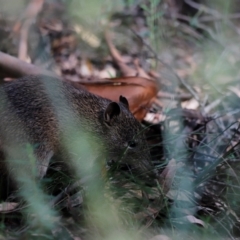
124 101
113 109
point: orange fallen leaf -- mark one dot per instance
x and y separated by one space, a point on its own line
139 91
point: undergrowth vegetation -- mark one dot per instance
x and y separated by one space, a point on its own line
191 48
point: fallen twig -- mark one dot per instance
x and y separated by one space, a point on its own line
27 18
13 67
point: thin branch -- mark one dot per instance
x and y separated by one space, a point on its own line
202 7
14 68
182 81
213 13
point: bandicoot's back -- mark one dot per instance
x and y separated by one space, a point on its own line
39 112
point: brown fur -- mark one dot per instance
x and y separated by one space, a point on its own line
38 110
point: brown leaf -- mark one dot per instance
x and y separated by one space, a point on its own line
140 92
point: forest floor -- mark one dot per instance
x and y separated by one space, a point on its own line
178 63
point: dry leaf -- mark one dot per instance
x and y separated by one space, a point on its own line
140 92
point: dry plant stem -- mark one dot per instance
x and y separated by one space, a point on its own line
14 68
30 14
213 105
205 174
221 224
190 31
126 70
182 81
202 7
181 96
220 137
225 184
22 49
212 12
202 27
69 189
140 71
233 147
220 17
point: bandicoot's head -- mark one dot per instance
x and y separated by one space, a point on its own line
124 137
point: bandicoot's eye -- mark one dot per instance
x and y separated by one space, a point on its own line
132 144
